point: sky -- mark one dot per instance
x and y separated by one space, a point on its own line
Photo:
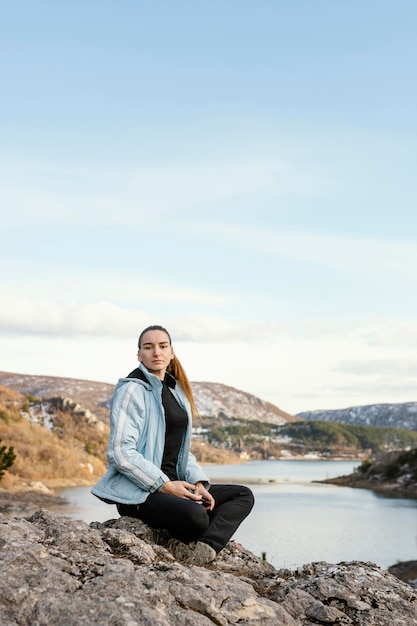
241 172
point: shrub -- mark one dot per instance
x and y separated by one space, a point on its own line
364 466
7 458
392 470
4 416
90 447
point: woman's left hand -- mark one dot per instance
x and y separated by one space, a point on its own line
201 491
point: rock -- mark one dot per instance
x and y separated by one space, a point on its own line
392 472
28 501
406 571
37 485
353 593
56 570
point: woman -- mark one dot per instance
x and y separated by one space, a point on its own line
152 475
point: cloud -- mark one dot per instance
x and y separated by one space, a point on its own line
31 316
395 333
294 370
365 255
47 317
380 368
100 317
131 196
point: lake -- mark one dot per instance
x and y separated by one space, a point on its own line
297 521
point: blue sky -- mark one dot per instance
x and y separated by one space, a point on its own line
240 172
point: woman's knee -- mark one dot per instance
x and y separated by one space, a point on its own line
198 520
248 497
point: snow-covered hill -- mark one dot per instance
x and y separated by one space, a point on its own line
403 415
214 399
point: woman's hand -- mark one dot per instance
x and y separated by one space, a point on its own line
188 491
181 489
202 492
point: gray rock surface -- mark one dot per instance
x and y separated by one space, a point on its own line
56 570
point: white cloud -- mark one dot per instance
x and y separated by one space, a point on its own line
293 369
347 253
47 317
34 316
41 315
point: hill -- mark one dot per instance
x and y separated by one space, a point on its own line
58 426
59 429
94 396
56 441
401 415
217 400
212 399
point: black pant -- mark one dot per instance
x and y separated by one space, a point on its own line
187 520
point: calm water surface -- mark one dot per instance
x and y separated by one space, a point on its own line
296 521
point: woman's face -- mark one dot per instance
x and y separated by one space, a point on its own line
155 352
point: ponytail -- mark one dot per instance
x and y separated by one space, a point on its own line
177 371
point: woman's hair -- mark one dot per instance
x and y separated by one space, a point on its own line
175 369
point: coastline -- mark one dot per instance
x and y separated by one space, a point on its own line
18 502
391 489
17 496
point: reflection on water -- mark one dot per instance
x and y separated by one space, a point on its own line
296 521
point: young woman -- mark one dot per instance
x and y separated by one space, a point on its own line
152 474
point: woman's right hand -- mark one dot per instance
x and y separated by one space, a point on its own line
181 489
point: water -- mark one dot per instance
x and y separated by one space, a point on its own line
296 521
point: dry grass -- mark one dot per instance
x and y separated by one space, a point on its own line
42 455
205 453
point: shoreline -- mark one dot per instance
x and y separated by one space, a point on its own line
47 488
23 501
393 490
18 496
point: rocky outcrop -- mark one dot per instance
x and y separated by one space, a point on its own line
94 396
77 410
406 571
30 497
393 472
56 570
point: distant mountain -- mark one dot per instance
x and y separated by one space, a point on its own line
403 415
212 399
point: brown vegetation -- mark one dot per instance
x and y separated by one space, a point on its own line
207 454
57 457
